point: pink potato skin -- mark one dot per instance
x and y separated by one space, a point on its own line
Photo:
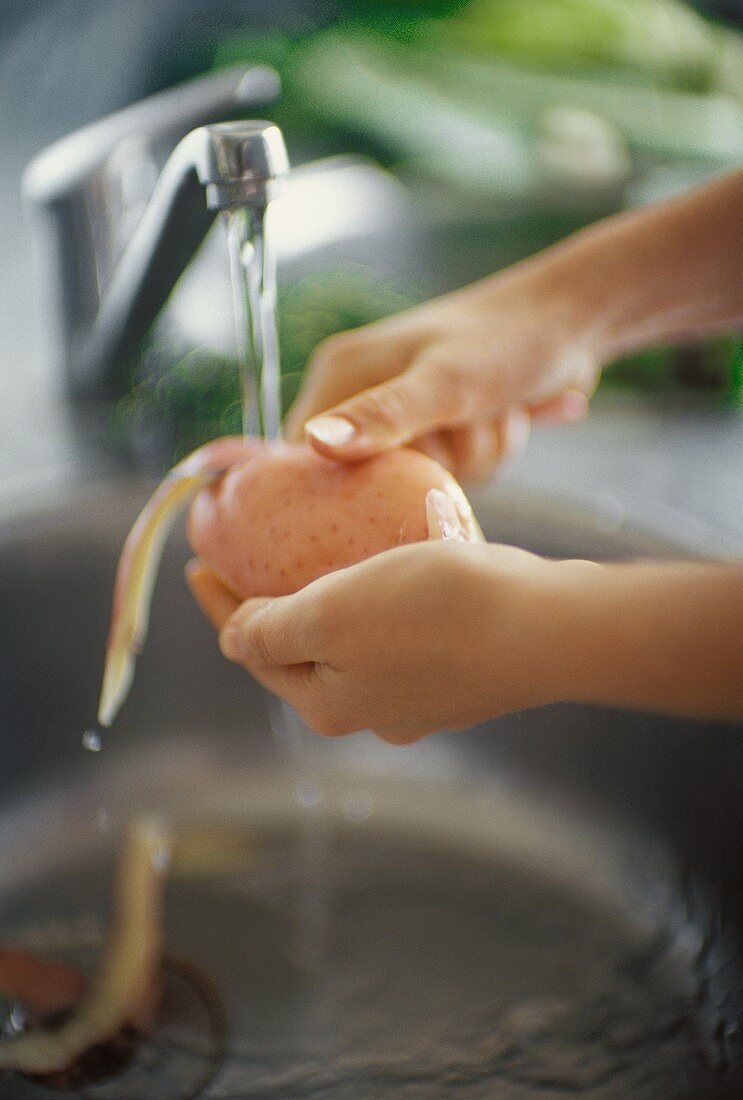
287 516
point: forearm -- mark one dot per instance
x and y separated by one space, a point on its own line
660 637
653 275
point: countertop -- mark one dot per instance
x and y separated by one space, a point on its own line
671 469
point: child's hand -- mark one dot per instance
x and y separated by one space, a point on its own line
462 377
422 637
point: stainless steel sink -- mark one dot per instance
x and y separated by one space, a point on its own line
593 904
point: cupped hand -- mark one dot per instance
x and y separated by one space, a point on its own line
462 377
423 637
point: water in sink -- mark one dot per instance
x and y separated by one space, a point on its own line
395 962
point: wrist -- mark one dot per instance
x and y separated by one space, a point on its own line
551 291
661 636
587 618
541 628
579 300
573 630
593 289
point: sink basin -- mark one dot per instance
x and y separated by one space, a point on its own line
551 901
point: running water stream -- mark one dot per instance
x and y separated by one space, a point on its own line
253 276
252 260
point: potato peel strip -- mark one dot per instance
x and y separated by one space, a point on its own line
140 558
135 581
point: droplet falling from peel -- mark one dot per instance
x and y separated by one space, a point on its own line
91 740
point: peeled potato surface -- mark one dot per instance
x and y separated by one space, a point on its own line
287 515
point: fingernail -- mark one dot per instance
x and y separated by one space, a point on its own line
443 519
333 431
575 405
232 643
569 407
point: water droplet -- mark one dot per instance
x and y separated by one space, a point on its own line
308 794
358 806
92 741
161 859
16 1020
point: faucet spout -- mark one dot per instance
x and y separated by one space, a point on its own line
240 163
118 258
213 168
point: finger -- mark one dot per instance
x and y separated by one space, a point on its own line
274 633
300 686
478 450
436 446
475 450
214 599
349 363
427 396
400 737
513 433
291 683
566 408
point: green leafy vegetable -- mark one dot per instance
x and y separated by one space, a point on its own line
710 372
663 40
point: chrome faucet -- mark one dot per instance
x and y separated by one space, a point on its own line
123 232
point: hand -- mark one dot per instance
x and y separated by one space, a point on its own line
432 635
464 376
447 634
461 377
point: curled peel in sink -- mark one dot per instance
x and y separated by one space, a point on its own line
119 992
269 518
123 992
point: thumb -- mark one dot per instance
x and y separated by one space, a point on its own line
273 632
423 398
244 637
213 597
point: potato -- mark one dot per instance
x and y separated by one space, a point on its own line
268 518
287 515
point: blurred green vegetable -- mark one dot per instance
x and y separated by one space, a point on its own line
710 372
661 39
519 105
410 98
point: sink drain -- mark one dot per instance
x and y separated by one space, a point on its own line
396 966
176 1062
